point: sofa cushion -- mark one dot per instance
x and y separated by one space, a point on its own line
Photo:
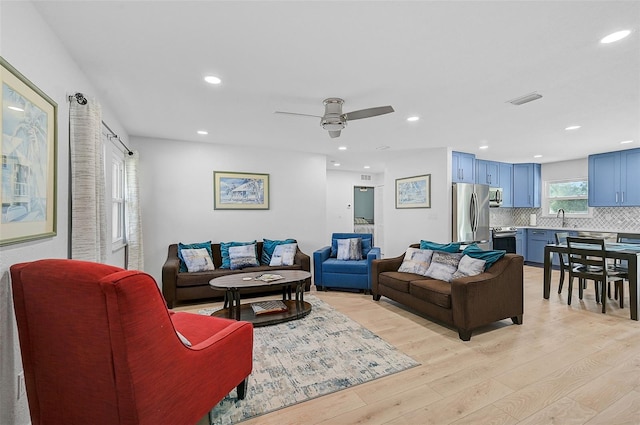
446 247
284 255
490 257
436 292
416 261
333 265
350 249
469 267
242 256
269 246
398 281
224 252
181 246
443 265
197 260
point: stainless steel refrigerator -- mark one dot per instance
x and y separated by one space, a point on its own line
470 214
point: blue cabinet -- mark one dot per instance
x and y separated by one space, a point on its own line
526 185
496 174
537 239
463 167
521 242
613 179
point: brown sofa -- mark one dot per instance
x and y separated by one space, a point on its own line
184 286
466 303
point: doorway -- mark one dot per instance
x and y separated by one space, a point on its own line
363 209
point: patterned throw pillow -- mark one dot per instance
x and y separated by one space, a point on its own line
283 255
367 244
443 265
224 251
469 267
269 246
242 256
206 245
350 249
416 261
197 260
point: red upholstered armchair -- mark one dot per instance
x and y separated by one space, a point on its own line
100 347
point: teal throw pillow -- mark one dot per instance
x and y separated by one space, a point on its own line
268 246
474 251
446 247
224 252
181 246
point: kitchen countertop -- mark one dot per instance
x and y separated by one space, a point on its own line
571 229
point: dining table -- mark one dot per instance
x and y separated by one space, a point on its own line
613 250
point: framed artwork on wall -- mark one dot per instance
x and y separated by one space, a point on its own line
28 121
240 191
414 192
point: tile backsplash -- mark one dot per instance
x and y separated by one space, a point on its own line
617 219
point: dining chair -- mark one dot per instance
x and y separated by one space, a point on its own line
626 238
561 238
587 260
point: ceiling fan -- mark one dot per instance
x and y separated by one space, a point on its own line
334 120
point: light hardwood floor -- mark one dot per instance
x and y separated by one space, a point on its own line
565 365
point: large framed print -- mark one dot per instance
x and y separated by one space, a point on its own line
28 120
414 192
240 191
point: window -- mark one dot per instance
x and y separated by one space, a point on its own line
117 199
568 195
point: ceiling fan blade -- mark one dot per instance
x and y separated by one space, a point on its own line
334 134
369 112
295 113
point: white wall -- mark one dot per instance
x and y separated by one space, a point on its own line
406 226
30 46
176 180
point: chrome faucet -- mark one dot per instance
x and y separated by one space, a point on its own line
564 223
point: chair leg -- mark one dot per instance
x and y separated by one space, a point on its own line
570 292
242 389
580 289
603 297
561 281
620 292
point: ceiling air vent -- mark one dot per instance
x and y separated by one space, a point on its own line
365 177
525 99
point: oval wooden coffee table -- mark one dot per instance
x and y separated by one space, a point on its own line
234 284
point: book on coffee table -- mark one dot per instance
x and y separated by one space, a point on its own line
266 307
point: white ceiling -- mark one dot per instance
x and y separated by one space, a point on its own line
453 63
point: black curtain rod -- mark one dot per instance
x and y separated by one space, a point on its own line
79 97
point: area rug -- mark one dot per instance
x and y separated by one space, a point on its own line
307 358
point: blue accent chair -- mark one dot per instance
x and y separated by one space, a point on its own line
329 272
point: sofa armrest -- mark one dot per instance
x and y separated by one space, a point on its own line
382 265
170 271
496 294
319 256
372 255
303 260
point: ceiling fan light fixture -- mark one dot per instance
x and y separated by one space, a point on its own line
525 99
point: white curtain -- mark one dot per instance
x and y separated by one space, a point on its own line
88 216
134 215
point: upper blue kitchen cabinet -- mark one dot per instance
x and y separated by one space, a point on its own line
496 174
613 179
526 185
463 167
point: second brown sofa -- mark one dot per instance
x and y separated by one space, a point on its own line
466 303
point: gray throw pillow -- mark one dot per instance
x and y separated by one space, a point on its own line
350 249
197 260
242 256
469 266
443 265
283 255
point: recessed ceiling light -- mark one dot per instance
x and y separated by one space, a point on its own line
537 156
15 108
367 166
413 118
336 164
616 36
624 142
382 148
203 132
573 127
483 147
212 79
342 148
